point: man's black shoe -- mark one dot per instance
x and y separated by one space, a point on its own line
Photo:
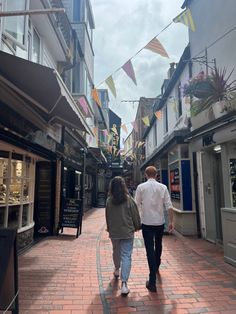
150 287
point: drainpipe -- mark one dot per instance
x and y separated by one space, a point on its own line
195 179
70 66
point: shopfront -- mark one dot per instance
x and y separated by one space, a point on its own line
215 149
23 205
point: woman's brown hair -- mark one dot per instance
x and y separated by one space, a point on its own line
118 190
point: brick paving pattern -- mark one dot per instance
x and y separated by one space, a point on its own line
68 275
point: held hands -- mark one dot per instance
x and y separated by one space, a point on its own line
171 227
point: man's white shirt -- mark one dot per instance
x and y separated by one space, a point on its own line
152 199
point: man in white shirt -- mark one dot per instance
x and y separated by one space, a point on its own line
152 199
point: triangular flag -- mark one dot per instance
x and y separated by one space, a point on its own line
110 83
174 105
146 121
110 136
105 132
186 18
140 144
114 130
158 115
135 126
96 97
155 46
83 104
124 127
129 70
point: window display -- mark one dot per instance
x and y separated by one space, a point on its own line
16 187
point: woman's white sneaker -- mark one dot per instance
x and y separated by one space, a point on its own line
124 288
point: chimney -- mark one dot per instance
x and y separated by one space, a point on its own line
171 70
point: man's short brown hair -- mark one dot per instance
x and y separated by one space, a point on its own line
151 171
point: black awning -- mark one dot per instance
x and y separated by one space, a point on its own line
44 88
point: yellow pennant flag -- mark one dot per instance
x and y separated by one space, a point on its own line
146 121
110 136
96 97
186 18
158 115
140 144
124 128
110 83
174 105
114 130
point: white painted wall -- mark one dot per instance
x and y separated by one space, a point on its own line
174 122
213 18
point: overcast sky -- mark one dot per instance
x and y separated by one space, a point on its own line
123 27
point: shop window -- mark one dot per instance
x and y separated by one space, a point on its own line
16 190
15 26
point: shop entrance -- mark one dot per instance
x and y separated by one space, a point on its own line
44 198
213 194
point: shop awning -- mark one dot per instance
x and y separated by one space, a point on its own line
176 137
44 88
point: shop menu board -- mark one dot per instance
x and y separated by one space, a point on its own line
71 213
174 184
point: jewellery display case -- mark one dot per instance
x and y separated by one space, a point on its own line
16 190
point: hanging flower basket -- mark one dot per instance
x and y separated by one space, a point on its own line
202 89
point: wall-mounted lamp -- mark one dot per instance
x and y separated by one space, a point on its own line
217 148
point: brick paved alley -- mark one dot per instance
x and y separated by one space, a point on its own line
68 275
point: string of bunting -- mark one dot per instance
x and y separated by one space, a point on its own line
153 45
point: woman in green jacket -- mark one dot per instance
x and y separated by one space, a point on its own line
122 218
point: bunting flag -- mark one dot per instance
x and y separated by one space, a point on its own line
105 132
155 46
96 97
158 115
114 130
124 128
129 70
95 131
146 121
135 126
185 18
140 144
174 105
110 136
83 104
110 83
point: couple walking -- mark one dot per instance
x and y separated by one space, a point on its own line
123 219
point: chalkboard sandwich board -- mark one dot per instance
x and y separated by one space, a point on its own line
71 215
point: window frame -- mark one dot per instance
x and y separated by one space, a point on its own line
25 35
22 203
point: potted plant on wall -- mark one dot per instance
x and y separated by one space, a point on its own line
211 91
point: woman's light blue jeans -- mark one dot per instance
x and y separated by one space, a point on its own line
122 252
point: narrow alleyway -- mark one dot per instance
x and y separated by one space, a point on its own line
68 275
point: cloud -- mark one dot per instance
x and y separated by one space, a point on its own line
122 29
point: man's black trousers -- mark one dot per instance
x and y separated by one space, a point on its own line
152 236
